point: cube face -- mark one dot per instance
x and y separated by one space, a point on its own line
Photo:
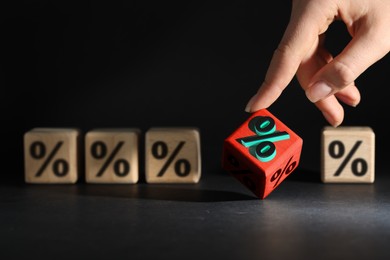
111 156
348 155
172 155
51 155
255 182
264 147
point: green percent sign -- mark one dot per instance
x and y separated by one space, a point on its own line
262 144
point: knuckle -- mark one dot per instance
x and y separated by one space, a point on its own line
344 74
284 50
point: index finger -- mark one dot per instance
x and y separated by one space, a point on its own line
300 36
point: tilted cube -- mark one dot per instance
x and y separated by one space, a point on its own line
261 153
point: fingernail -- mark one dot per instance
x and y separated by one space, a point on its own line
318 91
248 107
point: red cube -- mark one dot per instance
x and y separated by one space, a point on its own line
261 153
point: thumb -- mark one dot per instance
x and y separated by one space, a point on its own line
366 48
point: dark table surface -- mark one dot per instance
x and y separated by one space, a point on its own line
217 218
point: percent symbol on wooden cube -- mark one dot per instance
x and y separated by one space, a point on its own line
112 155
160 151
348 154
172 155
51 155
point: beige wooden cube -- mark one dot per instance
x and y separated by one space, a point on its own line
348 155
51 155
172 155
111 155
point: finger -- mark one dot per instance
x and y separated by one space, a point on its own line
332 110
318 58
298 38
363 50
349 95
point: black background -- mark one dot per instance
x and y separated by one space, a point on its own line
143 64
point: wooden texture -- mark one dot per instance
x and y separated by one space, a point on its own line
51 155
348 155
112 156
261 153
172 155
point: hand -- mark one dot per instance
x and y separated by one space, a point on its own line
326 80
